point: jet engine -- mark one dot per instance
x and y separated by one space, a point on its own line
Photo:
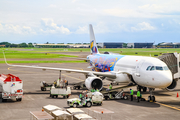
93 82
172 86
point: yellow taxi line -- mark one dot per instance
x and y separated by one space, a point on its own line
168 106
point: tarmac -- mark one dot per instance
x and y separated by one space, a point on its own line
166 107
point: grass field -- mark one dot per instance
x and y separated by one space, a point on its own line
42 53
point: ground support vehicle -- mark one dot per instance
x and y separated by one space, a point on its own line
10 87
65 92
75 102
45 85
88 99
96 97
115 95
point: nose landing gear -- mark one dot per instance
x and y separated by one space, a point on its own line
151 97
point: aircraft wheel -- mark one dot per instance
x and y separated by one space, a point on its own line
149 98
56 96
88 104
144 89
79 87
153 99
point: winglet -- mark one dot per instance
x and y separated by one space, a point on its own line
93 45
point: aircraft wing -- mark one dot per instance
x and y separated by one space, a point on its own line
105 74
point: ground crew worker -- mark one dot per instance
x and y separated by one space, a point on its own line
131 94
55 83
93 90
80 96
138 95
110 86
97 90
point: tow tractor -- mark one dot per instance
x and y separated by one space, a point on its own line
87 100
60 88
45 85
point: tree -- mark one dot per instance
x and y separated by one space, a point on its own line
23 45
124 45
30 45
6 44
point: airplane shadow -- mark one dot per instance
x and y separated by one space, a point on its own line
141 103
171 103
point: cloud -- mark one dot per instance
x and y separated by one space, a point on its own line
82 30
129 13
16 29
142 26
52 6
50 27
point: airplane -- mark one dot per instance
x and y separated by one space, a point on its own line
145 72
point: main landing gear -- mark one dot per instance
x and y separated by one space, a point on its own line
139 88
151 97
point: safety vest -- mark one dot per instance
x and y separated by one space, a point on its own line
97 90
138 94
80 96
131 92
110 86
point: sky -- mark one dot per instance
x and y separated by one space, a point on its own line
67 21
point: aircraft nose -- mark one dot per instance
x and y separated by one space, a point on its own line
167 79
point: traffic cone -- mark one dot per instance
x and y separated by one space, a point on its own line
177 95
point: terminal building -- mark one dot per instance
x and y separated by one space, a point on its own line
140 45
168 45
113 45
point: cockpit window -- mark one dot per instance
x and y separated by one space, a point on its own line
148 67
152 68
159 68
166 68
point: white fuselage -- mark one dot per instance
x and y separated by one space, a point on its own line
145 71
137 67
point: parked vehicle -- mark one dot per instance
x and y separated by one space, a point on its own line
45 85
65 92
10 87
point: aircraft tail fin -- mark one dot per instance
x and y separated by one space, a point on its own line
93 46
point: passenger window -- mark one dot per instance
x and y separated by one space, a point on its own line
159 68
148 67
152 68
